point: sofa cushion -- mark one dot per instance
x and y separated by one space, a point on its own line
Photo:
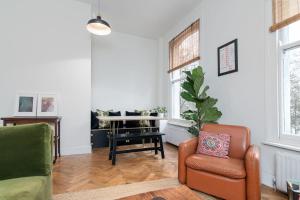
152 122
119 124
130 123
28 188
144 123
103 123
231 167
94 120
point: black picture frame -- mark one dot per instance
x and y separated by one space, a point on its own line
235 42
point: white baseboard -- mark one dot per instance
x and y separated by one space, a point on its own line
76 150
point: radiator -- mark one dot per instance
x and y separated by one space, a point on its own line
287 168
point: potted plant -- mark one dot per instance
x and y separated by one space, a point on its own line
161 111
194 91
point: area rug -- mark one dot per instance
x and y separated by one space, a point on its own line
120 191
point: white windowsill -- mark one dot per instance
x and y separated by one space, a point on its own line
180 122
282 146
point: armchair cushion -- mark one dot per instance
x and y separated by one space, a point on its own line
230 168
28 188
25 151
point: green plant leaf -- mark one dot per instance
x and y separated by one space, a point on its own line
189 77
189 88
203 94
187 96
190 115
212 115
193 130
198 78
206 104
197 72
188 74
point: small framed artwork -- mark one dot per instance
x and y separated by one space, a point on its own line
228 58
25 104
47 105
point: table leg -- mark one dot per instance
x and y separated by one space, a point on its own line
59 154
161 147
113 132
110 150
155 145
55 142
114 144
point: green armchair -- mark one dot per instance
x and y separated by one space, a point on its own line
26 162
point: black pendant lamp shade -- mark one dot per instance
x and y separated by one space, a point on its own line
98 26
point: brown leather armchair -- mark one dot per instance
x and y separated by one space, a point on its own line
236 178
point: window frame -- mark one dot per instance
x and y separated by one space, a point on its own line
284 137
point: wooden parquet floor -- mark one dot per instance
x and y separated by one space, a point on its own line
81 172
91 171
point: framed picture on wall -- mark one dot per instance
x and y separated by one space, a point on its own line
47 105
228 58
25 104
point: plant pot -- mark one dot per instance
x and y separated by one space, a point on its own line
161 115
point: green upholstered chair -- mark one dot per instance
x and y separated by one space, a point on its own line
25 162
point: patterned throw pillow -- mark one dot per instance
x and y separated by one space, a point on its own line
102 113
214 144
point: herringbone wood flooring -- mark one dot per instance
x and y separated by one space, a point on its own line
91 171
74 173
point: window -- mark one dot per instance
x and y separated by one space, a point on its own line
179 105
289 50
183 56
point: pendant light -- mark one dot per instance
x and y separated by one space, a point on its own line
97 25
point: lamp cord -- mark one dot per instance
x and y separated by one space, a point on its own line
98 7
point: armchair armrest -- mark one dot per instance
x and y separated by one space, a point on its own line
25 151
186 149
253 173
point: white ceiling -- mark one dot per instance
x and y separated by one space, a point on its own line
147 18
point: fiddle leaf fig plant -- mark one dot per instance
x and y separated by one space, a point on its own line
195 91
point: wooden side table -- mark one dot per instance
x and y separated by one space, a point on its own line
32 120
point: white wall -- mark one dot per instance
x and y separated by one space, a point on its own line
124 72
45 48
242 95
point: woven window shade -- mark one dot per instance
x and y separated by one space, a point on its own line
184 48
285 12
